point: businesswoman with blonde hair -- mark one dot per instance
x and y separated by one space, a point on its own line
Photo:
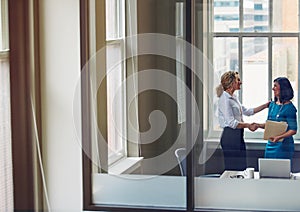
230 115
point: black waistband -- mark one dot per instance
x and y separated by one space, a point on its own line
236 129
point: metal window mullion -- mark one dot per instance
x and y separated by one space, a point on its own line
122 26
240 56
298 16
2 29
210 52
241 19
298 58
117 14
270 64
256 34
271 15
124 97
298 75
190 188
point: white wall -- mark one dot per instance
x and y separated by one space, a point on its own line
60 68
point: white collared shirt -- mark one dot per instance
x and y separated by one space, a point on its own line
231 111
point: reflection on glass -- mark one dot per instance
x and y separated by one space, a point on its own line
144 125
145 175
255 76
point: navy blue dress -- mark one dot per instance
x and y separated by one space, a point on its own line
286 113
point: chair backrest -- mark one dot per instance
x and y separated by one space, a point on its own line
180 154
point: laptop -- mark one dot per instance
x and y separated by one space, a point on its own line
274 168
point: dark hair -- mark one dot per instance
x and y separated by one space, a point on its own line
286 90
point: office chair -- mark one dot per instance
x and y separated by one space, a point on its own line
180 154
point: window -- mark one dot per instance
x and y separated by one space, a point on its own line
243 50
262 47
116 73
260 18
108 32
258 6
24 87
180 69
6 179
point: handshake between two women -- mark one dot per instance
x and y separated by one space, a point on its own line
254 126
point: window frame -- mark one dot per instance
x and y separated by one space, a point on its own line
86 115
119 39
244 34
123 152
87 187
23 27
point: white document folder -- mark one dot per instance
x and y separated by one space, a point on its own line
274 128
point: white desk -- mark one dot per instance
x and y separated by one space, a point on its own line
210 193
236 174
140 190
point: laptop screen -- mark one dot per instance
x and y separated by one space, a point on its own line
274 168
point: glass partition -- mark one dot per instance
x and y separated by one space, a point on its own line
136 82
150 111
259 39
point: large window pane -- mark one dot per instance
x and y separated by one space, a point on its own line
115 19
115 102
225 59
226 16
259 16
256 16
285 62
255 76
285 16
264 50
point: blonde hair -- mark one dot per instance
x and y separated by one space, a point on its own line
219 90
226 81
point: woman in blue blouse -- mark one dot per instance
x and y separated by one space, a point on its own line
230 114
282 109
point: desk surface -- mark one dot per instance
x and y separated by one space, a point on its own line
210 193
236 174
141 190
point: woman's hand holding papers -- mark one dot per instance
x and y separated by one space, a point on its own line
275 138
